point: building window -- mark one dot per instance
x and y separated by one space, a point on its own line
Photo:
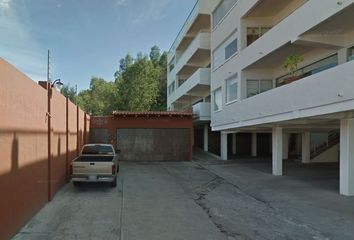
171 66
221 10
217 102
255 87
171 88
253 33
225 51
231 49
231 89
351 54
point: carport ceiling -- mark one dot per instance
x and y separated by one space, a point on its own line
317 123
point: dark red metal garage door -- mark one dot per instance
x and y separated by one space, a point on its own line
154 144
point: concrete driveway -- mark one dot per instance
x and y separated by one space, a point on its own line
149 203
204 199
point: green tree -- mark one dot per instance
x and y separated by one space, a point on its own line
161 101
124 63
137 86
69 92
140 85
99 99
155 55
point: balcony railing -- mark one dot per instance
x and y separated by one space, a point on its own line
280 35
327 92
309 70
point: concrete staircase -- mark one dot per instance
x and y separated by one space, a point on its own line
330 146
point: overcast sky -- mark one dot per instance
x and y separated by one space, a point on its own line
86 37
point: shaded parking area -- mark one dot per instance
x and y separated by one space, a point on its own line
202 199
324 176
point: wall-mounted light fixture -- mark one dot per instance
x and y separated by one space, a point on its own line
57 82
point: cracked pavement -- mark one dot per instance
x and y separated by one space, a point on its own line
196 200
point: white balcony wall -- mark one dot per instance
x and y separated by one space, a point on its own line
200 77
204 7
202 41
327 92
290 28
171 76
207 6
202 111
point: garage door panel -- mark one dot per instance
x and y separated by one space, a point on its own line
154 144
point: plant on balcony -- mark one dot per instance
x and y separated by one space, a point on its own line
291 64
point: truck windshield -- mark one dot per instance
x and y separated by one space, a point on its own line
98 149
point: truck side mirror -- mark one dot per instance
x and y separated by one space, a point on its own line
118 151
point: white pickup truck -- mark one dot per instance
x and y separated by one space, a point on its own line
96 163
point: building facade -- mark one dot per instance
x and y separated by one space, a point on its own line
189 73
302 109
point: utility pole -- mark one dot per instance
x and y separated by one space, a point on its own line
49 116
48 68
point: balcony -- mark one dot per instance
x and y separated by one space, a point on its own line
289 31
273 9
328 92
198 20
197 55
202 111
311 69
193 89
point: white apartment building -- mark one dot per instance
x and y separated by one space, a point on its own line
188 78
308 113
251 91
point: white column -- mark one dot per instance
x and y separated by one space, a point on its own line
342 56
254 144
286 145
234 143
305 149
347 157
277 137
206 137
223 145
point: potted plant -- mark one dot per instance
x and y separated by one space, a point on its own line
291 65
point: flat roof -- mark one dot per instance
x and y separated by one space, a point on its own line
152 114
